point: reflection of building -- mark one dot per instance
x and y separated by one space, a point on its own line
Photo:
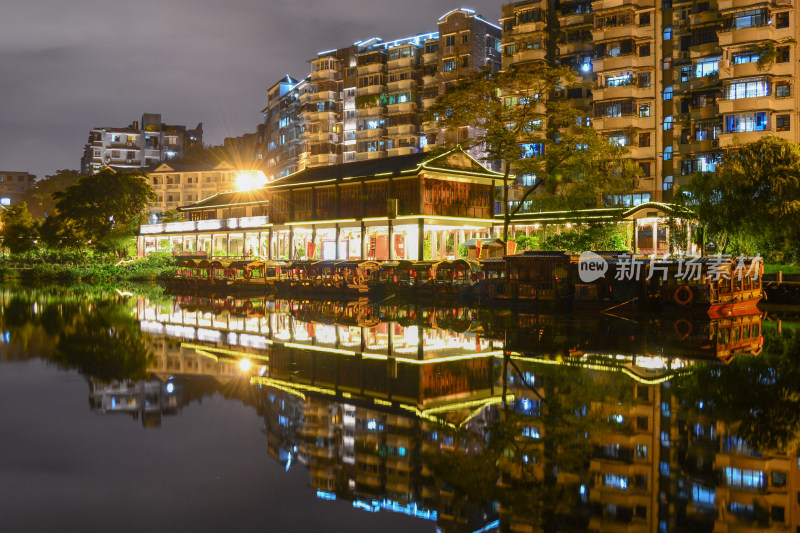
139 146
145 400
406 207
13 186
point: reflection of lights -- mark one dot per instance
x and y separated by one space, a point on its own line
619 418
322 495
170 388
245 365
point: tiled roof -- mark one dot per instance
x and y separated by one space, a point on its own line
225 199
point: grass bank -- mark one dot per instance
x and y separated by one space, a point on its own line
155 267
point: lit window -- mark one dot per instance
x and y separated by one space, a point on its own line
667 153
668 92
668 33
750 88
668 122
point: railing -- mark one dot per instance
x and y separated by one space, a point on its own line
204 225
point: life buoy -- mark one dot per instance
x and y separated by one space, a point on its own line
683 295
683 328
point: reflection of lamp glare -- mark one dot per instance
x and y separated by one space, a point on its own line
244 364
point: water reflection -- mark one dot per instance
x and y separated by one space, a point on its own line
475 419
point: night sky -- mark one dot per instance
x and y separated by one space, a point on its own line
68 66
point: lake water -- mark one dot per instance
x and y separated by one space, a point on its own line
132 410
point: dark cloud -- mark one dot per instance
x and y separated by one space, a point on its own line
66 67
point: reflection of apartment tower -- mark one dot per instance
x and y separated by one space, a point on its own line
676 84
624 470
366 101
145 400
139 146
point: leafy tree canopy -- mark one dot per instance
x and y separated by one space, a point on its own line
20 231
517 118
103 209
39 198
751 204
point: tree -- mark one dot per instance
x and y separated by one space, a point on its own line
105 209
516 117
20 231
39 198
751 203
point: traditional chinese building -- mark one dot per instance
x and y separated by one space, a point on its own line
414 206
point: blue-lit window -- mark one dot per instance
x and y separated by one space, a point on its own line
668 122
449 65
750 88
667 153
667 92
531 432
668 33
749 479
615 481
748 56
702 494
743 122
706 68
531 150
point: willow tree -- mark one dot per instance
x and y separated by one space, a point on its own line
519 118
752 203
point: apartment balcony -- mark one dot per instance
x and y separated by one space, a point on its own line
321 96
321 160
755 34
575 19
731 5
405 62
321 137
623 32
756 104
525 55
370 89
173 186
368 135
529 27
612 4
430 58
727 140
704 113
394 86
427 81
706 17
325 74
575 48
372 68
402 150
369 156
402 129
321 117
622 91
368 112
402 108
631 61
623 122
643 152
704 50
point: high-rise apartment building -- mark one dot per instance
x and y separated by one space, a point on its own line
13 186
141 145
675 82
367 100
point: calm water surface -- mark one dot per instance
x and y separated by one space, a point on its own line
132 410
